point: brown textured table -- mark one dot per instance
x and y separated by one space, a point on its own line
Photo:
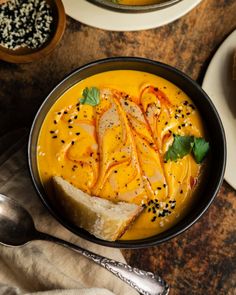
203 259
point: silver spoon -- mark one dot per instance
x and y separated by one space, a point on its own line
17 228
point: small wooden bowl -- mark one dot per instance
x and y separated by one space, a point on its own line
25 54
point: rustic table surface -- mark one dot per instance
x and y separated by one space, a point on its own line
203 259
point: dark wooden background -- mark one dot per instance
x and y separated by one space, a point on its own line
203 259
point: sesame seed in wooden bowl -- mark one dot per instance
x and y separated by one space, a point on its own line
24 37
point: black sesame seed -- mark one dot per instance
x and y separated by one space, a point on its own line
70 126
52 131
77 133
55 122
55 136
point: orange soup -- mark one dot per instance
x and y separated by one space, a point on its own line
137 2
122 147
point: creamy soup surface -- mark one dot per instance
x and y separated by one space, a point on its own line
116 149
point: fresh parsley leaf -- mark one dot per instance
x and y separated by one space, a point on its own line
91 96
184 145
181 147
200 149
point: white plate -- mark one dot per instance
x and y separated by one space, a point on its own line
221 88
101 18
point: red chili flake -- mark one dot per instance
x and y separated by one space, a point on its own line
193 182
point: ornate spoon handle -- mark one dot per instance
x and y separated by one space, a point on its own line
144 282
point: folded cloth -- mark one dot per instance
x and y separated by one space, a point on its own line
42 267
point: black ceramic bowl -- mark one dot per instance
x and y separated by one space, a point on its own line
216 166
108 4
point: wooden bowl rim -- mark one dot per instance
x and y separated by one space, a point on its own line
41 52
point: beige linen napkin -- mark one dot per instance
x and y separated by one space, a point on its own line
42 267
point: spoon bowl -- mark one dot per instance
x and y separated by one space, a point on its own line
16 224
17 228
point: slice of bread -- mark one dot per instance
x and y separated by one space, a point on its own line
102 218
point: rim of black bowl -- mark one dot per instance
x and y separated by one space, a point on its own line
134 8
176 229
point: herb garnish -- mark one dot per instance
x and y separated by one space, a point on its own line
91 96
200 149
184 145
